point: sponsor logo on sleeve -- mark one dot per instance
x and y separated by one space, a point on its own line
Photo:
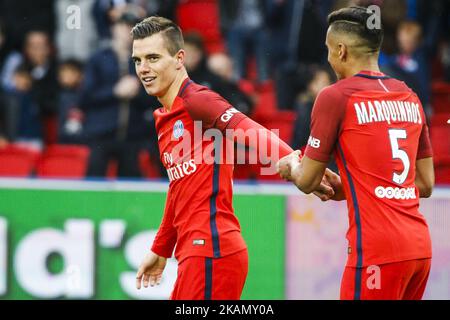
314 142
228 114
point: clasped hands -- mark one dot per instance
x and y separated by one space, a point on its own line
330 187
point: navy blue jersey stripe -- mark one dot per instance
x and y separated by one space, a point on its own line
213 204
208 278
184 88
372 77
359 253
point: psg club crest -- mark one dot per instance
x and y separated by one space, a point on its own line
178 129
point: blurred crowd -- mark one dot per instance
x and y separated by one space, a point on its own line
66 76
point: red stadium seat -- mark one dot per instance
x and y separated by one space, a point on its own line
63 161
441 97
50 129
112 169
442 170
440 139
439 135
247 87
440 119
148 166
281 120
266 105
16 161
202 16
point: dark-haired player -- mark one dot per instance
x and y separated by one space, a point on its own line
199 217
375 125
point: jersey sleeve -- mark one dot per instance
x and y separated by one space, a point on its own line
326 119
425 150
212 110
265 139
166 237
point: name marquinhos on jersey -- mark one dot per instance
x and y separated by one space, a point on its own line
178 171
389 111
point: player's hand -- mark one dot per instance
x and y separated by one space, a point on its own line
325 190
332 180
285 164
150 270
335 181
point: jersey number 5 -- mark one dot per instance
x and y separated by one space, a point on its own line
397 153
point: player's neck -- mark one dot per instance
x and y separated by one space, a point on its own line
371 65
169 97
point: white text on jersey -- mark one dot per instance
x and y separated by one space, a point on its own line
395 193
228 114
389 111
181 170
314 142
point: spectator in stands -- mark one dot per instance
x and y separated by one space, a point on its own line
297 30
412 63
196 61
37 57
314 79
3 124
21 17
118 119
71 39
22 114
446 39
197 66
106 12
70 76
222 65
3 54
29 81
243 23
4 49
446 60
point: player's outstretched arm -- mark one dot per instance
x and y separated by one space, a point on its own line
150 270
425 177
322 190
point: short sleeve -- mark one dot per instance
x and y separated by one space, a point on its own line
212 110
326 118
425 150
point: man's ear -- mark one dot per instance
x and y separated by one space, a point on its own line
343 51
180 58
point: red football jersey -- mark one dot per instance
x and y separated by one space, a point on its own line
376 127
199 216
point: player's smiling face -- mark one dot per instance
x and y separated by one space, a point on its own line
155 66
